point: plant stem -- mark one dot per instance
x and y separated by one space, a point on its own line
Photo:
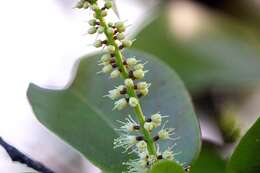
131 91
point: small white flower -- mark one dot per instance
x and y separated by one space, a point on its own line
115 93
143 85
107 68
166 133
131 61
141 146
152 159
139 74
111 49
144 92
105 58
125 141
168 154
129 126
129 83
139 67
133 102
136 166
114 74
120 104
148 126
156 119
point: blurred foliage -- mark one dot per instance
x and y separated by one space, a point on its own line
84 118
221 56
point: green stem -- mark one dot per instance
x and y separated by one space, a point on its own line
131 91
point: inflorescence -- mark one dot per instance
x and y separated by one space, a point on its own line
136 136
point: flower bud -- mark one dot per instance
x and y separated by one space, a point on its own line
144 92
108 4
103 13
111 49
148 126
120 26
139 74
120 104
156 119
80 5
139 67
105 58
107 68
110 30
94 7
129 83
86 5
92 22
92 30
120 36
133 102
98 43
131 61
114 74
142 146
142 85
100 30
127 43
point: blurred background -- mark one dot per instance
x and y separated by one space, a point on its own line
212 44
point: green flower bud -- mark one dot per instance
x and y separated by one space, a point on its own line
79 5
94 7
98 43
133 102
100 30
86 5
92 30
108 4
110 30
127 43
119 25
103 13
120 36
107 68
111 49
110 24
105 58
116 73
129 83
92 22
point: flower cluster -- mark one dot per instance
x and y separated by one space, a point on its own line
133 141
138 137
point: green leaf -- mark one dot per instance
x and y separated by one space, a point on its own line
209 161
84 118
246 157
167 167
221 58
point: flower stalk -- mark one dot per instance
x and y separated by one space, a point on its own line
132 72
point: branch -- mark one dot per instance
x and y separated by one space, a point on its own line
18 156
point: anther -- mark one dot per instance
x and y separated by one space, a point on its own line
131 75
114 65
156 138
123 91
121 46
136 127
160 157
139 95
139 138
112 61
148 120
124 62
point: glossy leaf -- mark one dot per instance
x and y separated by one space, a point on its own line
246 157
209 161
84 118
167 167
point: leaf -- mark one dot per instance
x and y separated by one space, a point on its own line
209 161
222 59
167 166
246 157
84 118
